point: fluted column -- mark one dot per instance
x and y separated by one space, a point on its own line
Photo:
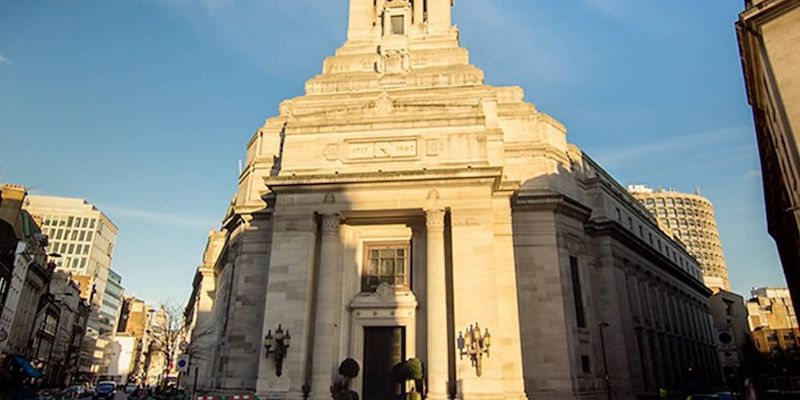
437 306
327 302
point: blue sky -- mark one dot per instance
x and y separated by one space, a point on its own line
144 107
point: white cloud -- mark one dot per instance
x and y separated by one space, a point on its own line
671 144
4 60
159 218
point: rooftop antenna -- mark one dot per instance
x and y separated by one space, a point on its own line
240 167
697 190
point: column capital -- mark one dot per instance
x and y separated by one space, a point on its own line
434 218
330 224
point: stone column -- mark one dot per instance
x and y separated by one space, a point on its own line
437 305
439 16
418 12
327 312
362 16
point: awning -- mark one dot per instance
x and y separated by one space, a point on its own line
28 368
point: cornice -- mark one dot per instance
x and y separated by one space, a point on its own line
552 201
295 183
618 232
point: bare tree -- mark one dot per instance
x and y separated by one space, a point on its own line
171 327
168 333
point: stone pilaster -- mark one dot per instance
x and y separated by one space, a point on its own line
436 305
439 16
327 311
361 19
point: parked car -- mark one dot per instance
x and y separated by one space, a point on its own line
74 392
105 390
728 396
47 394
130 388
703 397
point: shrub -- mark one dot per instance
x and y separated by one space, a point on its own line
349 368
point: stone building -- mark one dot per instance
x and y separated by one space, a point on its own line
202 336
73 317
402 202
28 318
771 308
768 41
133 320
691 218
732 331
773 320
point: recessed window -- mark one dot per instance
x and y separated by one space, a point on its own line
398 25
586 364
385 263
580 315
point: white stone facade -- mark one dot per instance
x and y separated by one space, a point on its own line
400 145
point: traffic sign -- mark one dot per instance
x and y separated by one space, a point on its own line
183 363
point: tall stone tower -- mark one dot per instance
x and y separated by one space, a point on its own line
401 203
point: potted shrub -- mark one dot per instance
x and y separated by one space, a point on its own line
340 390
409 371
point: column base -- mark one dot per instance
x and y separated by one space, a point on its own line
438 396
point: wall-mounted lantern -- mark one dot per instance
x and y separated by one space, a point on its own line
281 342
473 344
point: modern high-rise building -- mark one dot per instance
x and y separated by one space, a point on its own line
84 237
112 303
402 208
769 41
690 217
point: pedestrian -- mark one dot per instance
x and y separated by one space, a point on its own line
749 390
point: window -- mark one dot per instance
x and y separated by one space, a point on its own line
587 365
91 223
50 324
385 263
580 316
85 223
398 25
82 236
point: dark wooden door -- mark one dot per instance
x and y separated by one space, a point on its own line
383 349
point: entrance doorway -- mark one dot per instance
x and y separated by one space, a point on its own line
384 347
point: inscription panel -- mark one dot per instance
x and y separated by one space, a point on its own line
382 150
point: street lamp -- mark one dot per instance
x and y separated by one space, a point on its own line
473 344
603 326
281 341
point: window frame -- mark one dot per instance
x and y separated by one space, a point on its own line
367 247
